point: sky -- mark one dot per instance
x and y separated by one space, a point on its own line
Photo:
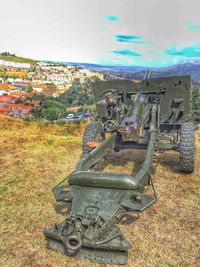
151 33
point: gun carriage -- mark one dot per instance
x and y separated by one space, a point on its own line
148 115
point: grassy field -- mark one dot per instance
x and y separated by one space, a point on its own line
17 59
35 158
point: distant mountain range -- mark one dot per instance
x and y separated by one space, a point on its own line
104 68
127 72
192 69
137 72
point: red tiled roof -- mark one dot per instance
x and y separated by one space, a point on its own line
17 106
9 108
2 97
24 94
4 110
26 107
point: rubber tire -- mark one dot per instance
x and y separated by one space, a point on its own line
92 131
187 147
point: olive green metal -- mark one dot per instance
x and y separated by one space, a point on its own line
145 115
137 110
131 125
96 155
167 89
114 180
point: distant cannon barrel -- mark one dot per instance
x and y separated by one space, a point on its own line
147 75
131 125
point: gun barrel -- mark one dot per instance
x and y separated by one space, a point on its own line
147 74
137 108
131 125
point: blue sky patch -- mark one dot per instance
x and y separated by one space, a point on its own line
134 39
126 52
187 52
127 38
193 27
112 18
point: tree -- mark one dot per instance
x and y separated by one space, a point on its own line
67 98
19 101
29 88
52 110
54 103
76 85
41 97
5 76
52 113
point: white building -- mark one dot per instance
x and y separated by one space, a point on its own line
3 91
58 78
2 80
40 88
42 64
85 71
12 64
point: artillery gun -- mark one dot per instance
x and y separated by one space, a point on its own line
148 115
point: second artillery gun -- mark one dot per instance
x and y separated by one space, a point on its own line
148 115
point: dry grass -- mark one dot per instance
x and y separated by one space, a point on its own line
34 158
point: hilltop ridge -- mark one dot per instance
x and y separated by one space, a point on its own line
12 57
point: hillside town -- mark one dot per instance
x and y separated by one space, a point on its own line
20 81
53 91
